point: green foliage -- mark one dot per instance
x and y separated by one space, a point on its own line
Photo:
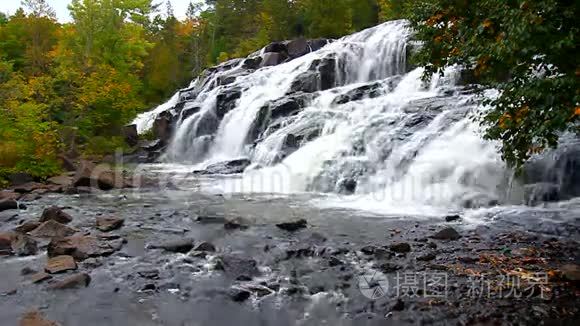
525 49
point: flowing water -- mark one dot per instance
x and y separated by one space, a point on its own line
398 144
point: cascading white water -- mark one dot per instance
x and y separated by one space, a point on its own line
407 145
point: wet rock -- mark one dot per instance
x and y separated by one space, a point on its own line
368 250
541 192
399 305
28 187
55 213
297 48
60 264
272 59
99 177
365 91
235 224
6 204
80 247
300 252
107 224
235 266
17 179
228 167
293 226
61 180
571 272
27 271
188 112
40 277
226 101
451 218
151 274
306 82
150 287
389 267
131 135
23 245
27 227
178 245
400 248
252 63
80 280
427 257
205 247
52 229
6 194
318 44
347 186
447 234
162 128
333 261
6 240
210 219
35 318
238 294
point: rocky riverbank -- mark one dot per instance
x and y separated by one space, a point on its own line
177 257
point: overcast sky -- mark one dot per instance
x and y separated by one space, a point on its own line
10 6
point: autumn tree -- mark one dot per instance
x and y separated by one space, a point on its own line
524 49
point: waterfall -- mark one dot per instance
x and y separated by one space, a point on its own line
350 118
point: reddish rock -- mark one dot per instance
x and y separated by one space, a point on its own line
74 281
100 177
28 187
52 229
107 224
6 194
40 277
80 247
56 214
27 227
35 318
6 240
60 264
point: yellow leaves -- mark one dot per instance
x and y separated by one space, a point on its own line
577 111
482 65
487 23
433 20
454 52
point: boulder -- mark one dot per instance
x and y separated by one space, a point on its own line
276 47
239 294
227 101
400 248
188 112
56 214
252 63
106 224
366 91
74 281
131 135
293 226
80 247
259 124
35 318
6 204
61 180
272 59
447 234
6 240
306 82
20 178
162 129
28 187
177 245
52 229
285 107
6 194
205 247
27 227
318 44
228 167
297 48
60 264
40 277
235 266
100 177
23 245
347 186
66 163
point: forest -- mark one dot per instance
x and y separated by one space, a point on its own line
68 89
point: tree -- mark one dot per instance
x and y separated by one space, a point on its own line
525 49
39 8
